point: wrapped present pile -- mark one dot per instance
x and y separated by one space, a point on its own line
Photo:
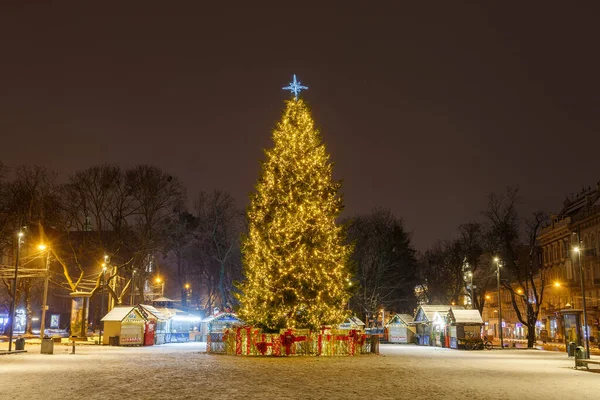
249 341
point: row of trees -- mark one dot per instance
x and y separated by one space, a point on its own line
132 216
448 269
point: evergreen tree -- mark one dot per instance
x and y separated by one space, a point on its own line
295 262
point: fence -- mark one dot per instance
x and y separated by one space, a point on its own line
248 341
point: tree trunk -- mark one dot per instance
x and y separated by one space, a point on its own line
531 320
221 288
29 312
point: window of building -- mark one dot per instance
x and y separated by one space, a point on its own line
569 266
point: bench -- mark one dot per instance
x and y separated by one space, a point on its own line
584 362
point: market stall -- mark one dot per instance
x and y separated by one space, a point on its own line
400 329
352 323
429 333
173 325
463 326
158 319
125 325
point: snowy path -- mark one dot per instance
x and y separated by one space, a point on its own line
183 371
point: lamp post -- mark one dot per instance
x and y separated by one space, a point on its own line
162 286
498 263
187 294
45 298
132 290
585 324
102 304
14 292
470 275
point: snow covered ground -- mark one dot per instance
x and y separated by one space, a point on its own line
185 371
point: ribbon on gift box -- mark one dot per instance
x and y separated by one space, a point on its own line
238 341
288 339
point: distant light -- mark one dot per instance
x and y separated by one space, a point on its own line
20 234
158 280
557 284
187 285
576 249
42 247
496 259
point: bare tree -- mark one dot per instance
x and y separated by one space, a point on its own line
441 280
181 236
156 198
523 276
29 202
385 263
219 230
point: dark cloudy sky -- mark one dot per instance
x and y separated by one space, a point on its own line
425 109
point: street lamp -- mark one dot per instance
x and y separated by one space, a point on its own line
498 264
102 303
43 247
470 275
162 286
14 293
132 290
577 250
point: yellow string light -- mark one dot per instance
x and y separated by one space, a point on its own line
295 262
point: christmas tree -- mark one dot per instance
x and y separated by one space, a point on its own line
295 262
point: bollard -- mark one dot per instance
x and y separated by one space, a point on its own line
73 342
374 344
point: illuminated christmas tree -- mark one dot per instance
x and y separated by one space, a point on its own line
295 262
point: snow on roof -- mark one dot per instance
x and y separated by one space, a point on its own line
401 319
164 299
465 316
426 312
154 311
355 320
226 317
118 313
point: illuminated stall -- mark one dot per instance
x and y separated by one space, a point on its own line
173 325
400 329
353 323
463 326
124 326
159 321
429 329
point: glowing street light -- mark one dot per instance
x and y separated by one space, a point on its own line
158 280
104 269
577 250
498 264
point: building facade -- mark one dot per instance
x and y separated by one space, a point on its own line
568 244
570 248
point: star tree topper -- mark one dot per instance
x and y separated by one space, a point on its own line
295 87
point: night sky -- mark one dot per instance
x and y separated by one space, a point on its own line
424 109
